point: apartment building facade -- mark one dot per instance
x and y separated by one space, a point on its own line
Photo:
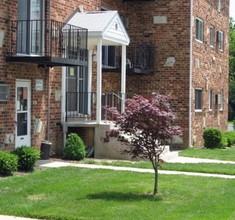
59 65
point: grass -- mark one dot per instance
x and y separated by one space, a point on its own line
227 154
72 193
228 169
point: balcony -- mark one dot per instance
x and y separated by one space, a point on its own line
48 43
82 106
140 59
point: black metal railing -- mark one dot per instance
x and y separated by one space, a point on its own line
140 59
84 104
48 38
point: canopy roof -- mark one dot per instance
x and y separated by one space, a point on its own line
105 25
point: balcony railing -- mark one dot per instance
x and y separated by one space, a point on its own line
83 105
140 59
47 42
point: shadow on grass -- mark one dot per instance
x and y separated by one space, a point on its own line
119 196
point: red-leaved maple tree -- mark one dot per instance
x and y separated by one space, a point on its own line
147 126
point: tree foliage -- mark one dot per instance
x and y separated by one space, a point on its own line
232 50
146 125
232 67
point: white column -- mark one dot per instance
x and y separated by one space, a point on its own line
123 77
89 80
99 81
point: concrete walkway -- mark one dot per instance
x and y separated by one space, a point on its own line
175 159
139 170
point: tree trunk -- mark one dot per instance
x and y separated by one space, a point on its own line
155 190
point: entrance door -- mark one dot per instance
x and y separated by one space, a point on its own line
76 87
23 113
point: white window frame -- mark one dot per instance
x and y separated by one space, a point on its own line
219 6
211 94
220 39
221 103
196 101
199 30
212 36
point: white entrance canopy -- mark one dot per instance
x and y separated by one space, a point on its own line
104 28
106 25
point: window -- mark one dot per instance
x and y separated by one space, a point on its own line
219 5
30 30
199 29
76 90
210 100
198 99
108 54
212 36
220 39
220 100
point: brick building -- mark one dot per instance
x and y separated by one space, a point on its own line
58 67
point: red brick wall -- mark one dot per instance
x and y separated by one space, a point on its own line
170 39
44 105
173 39
207 76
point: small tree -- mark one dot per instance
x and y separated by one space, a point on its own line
148 125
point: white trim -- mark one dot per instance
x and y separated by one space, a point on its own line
99 81
27 138
198 110
89 86
199 40
123 77
191 72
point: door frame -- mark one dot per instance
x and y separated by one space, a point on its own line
23 83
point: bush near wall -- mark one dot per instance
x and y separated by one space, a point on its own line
230 135
27 157
213 138
8 163
74 148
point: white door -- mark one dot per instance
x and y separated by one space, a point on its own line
23 113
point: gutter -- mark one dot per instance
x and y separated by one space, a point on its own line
190 73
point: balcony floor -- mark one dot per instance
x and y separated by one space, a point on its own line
45 60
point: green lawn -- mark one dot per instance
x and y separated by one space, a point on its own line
73 193
218 154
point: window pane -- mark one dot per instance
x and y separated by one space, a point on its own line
212 36
198 99
211 100
199 30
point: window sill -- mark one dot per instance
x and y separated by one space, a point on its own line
198 110
199 41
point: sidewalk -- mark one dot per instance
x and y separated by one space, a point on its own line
177 159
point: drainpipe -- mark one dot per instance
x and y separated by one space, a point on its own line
190 73
47 72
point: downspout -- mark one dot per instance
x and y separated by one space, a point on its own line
47 70
190 73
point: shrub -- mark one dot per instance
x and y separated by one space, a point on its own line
224 141
27 157
74 148
8 163
230 135
212 138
